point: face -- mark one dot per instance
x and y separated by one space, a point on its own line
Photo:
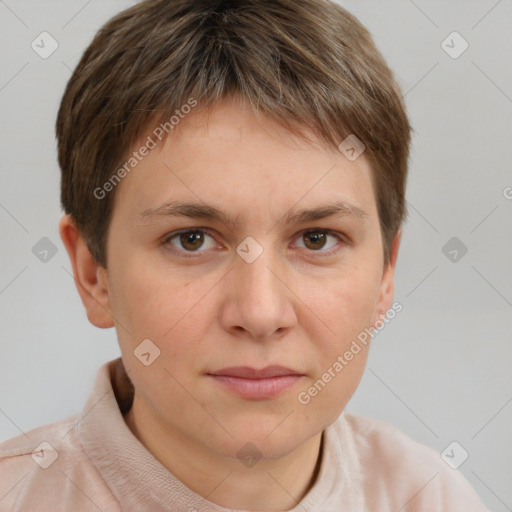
257 286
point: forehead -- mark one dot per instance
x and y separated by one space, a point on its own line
226 156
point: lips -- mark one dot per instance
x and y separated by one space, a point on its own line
246 372
253 384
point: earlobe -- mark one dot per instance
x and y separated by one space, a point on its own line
90 278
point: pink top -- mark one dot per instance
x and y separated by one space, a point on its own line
93 462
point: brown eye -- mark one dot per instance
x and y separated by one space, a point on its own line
190 241
318 241
315 240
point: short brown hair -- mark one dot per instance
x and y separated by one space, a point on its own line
305 63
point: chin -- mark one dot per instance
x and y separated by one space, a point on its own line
265 442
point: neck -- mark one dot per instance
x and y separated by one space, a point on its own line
269 485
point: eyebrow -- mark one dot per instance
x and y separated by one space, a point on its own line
205 211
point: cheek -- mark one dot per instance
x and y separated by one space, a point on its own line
340 357
148 298
164 307
345 306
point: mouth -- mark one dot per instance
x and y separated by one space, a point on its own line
253 384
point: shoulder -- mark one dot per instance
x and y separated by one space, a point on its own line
405 473
47 468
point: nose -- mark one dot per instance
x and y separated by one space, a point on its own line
258 303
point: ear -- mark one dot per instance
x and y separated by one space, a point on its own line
90 277
387 286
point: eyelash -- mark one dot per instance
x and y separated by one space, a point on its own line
195 254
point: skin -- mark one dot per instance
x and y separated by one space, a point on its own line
291 306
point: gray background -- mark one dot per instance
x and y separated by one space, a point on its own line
440 371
